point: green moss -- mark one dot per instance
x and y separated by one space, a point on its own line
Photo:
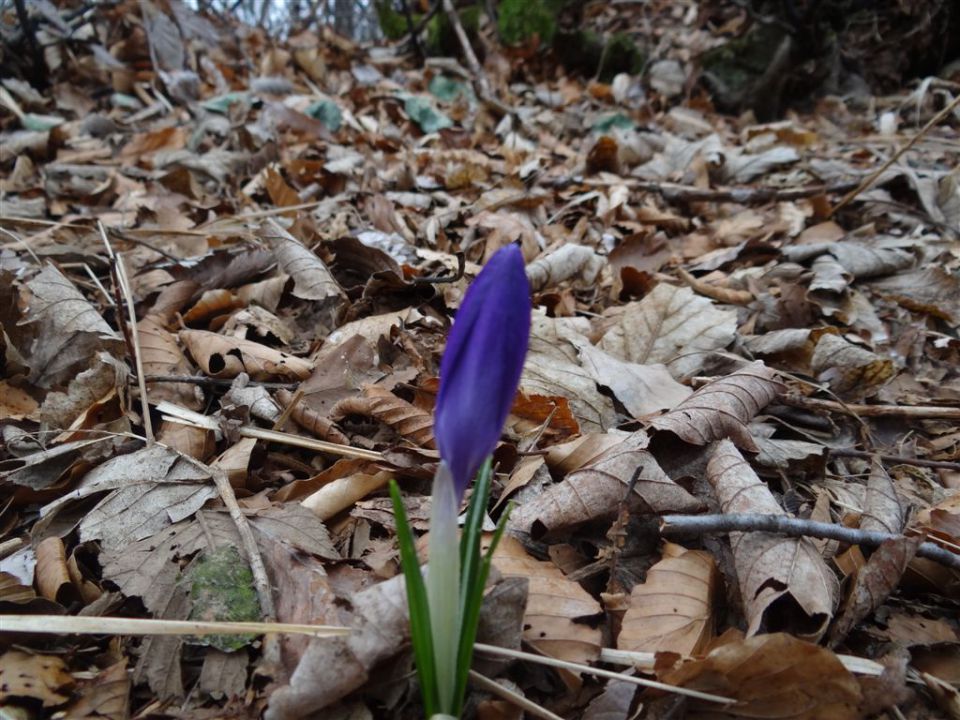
221 589
392 22
742 60
620 56
442 40
520 20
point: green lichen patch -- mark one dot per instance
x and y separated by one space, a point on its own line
221 589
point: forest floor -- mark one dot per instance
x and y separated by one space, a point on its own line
228 266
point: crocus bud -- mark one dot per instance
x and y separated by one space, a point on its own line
481 366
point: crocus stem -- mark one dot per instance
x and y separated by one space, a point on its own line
443 585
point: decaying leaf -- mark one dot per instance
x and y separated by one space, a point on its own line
874 583
784 582
312 280
723 408
672 610
672 325
224 357
851 371
882 508
596 490
558 609
37 677
775 677
70 332
566 262
408 420
643 389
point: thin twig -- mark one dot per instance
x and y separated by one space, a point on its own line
479 76
412 31
868 182
926 412
495 688
83 625
898 459
134 334
589 670
681 526
182 415
215 382
647 661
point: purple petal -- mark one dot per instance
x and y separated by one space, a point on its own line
481 366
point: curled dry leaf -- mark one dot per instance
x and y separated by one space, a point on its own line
562 264
672 610
554 606
596 490
407 419
789 349
882 509
161 355
312 421
311 277
874 583
52 575
774 677
573 455
853 372
224 357
672 325
723 408
784 582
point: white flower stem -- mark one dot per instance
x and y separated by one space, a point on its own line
443 585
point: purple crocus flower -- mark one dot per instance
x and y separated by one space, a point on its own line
481 366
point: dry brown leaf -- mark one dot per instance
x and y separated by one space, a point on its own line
211 304
643 389
224 357
784 582
196 442
407 419
882 509
70 331
52 575
596 491
553 368
37 677
161 355
333 667
772 677
790 349
554 604
280 193
874 583
313 422
311 278
931 290
565 262
105 696
851 371
672 325
723 408
573 455
102 379
672 610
